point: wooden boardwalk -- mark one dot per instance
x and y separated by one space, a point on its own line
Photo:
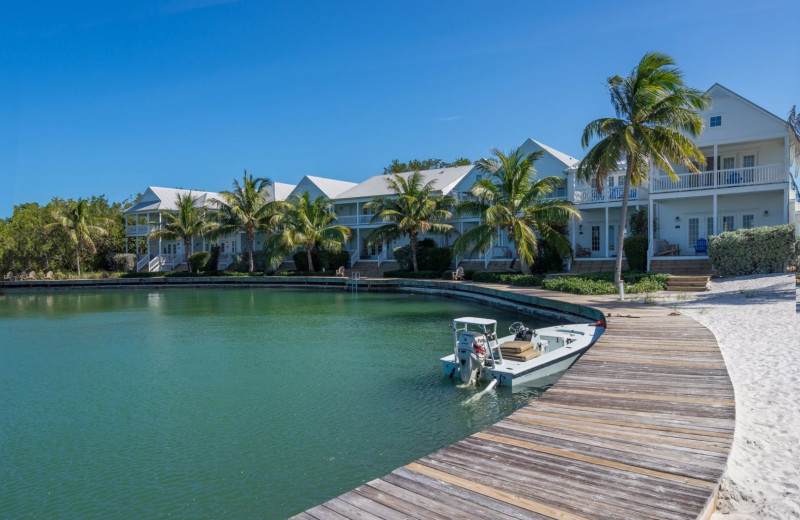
640 427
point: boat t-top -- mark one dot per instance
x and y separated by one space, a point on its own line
522 357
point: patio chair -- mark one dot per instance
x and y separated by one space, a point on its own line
582 252
48 275
9 276
701 248
340 271
663 248
458 274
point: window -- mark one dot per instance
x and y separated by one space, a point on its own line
748 161
595 238
728 223
728 163
611 182
709 226
478 177
715 121
748 220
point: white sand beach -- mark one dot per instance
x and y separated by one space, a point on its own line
755 321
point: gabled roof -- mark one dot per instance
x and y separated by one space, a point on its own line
330 187
166 199
444 180
281 190
567 160
745 100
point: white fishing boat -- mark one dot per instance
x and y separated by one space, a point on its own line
521 358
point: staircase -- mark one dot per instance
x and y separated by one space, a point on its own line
687 283
684 267
371 269
494 266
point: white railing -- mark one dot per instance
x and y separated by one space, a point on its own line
612 194
354 258
354 220
767 174
139 230
142 263
163 262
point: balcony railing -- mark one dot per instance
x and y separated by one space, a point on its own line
770 173
587 196
353 220
141 230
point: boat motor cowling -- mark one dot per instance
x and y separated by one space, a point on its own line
472 351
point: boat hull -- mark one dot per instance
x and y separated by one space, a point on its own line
541 371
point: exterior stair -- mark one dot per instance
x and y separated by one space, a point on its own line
687 283
371 269
683 267
594 266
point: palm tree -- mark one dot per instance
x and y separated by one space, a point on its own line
511 199
189 222
308 225
247 208
415 208
655 112
79 225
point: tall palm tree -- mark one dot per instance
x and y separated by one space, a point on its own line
511 199
79 224
246 208
655 113
415 208
308 225
189 222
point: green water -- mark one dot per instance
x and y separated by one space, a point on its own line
218 403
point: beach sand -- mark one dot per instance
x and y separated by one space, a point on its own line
755 321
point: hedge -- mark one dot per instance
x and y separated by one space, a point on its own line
635 248
327 260
121 262
603 283
429 257
767 249
521 280
199 261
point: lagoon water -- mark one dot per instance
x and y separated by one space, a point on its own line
215 403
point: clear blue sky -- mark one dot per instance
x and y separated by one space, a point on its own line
110 97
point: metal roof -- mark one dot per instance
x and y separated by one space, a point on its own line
444 180
166 199
331 187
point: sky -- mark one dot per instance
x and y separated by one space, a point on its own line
111 97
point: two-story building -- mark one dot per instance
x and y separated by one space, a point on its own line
744 182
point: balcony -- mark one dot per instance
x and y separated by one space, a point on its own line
353 220
749 176
612 194
141 230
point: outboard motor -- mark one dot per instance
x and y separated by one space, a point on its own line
471 354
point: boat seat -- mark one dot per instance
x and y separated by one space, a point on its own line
515 347
526 355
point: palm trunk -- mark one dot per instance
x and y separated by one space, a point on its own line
310 260
250 239
413 238
187 245
623 218
78 258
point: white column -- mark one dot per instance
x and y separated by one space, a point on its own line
786 218
716 167
650 220
714 206
605 232
573 232
358 231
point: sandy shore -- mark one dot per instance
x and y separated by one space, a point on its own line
756 324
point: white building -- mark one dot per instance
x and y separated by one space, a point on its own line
744 182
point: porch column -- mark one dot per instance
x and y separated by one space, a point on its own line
785 206
605 232
137 248
159 238
714 206
650 220
574 239
716 167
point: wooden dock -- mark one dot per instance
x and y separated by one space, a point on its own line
640 427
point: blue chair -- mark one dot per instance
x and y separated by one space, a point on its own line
701 247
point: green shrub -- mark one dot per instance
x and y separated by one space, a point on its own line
521 280
121 262
603 283
305 273
327 260
767 249
241 262
199 261
635 248
213 262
